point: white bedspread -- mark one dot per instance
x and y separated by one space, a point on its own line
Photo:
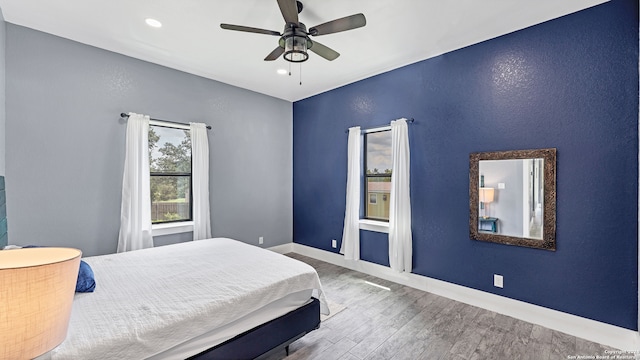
147 301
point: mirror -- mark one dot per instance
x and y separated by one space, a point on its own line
512 197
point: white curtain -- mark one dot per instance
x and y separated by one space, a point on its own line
135 212
351 233
200 181
400 238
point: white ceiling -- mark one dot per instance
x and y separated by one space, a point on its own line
397 33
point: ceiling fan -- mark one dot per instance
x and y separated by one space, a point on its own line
294 40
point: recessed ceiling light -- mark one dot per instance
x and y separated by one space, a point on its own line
282 71
153 23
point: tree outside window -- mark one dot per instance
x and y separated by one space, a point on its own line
170 173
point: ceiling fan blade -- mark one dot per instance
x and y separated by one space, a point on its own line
249 29
289 10
274 54
324 51
342 24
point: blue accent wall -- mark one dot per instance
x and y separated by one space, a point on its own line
570 83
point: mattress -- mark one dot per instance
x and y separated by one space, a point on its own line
174 299
218 336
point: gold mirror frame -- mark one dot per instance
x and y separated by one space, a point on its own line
548 241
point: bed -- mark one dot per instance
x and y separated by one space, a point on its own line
207 299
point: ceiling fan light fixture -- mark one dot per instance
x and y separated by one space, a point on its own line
295 49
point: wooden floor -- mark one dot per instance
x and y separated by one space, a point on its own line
406 323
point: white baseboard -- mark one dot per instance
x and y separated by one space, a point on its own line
282 249
591 330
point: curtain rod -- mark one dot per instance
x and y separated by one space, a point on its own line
123 115
409 121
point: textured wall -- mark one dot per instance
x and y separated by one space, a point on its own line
2 95
65 144
570 83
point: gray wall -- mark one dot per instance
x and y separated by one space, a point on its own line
2 94
507 202
65 144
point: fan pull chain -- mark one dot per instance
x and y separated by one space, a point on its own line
300 74
289 68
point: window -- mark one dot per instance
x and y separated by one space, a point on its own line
377 170
170 173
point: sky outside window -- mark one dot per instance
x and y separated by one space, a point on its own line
379 152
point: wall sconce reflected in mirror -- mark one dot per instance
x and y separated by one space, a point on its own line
485 195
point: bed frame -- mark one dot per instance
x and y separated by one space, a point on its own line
269 337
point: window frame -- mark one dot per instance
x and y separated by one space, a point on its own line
365 176
176 174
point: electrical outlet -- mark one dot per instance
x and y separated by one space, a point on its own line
498 280
334 243
261 240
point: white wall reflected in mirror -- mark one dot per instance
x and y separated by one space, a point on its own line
517 186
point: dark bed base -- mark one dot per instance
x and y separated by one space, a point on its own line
269 337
